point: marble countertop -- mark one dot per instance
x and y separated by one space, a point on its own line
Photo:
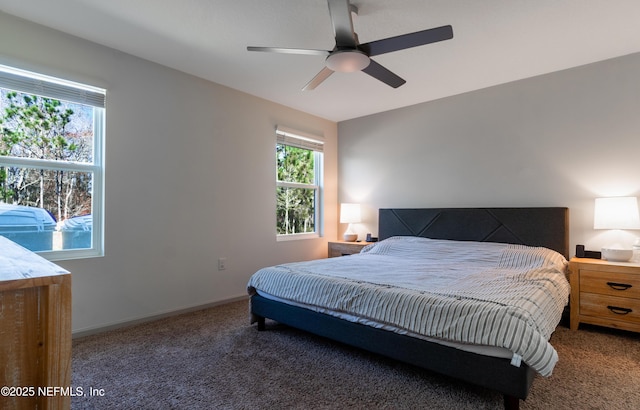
18 263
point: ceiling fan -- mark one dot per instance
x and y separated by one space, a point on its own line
349 55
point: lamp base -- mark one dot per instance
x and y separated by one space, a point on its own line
617 255
350 237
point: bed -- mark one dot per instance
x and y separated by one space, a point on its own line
363 321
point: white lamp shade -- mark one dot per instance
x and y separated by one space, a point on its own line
616 213
350 213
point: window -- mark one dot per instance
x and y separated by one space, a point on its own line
298 185
51 164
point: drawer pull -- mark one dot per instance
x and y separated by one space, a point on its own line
619 310
618 286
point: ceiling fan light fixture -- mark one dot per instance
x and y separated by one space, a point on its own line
349 55
347 61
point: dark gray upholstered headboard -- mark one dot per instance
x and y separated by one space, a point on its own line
548 227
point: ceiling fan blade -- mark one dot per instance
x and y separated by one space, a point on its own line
319 78
405 41
290 50
340 13
377 71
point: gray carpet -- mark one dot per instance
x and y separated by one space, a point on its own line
213 359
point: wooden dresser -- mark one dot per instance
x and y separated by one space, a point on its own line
605 293
35 331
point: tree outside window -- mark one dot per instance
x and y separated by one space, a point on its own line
46 129
297 188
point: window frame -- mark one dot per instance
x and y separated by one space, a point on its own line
294 138
27 82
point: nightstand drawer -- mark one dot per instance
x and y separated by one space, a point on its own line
610 307
608 283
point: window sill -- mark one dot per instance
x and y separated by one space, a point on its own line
297 236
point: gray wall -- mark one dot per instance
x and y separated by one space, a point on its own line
560 139
189 178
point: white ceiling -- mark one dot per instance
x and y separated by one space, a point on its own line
495 41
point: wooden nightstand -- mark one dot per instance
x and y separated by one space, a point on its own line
342 248
605 293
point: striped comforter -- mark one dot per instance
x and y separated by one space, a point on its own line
490 294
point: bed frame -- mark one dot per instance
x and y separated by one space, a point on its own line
546 227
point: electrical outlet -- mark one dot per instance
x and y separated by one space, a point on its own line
222 263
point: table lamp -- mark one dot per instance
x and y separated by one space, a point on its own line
350 213
616 213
